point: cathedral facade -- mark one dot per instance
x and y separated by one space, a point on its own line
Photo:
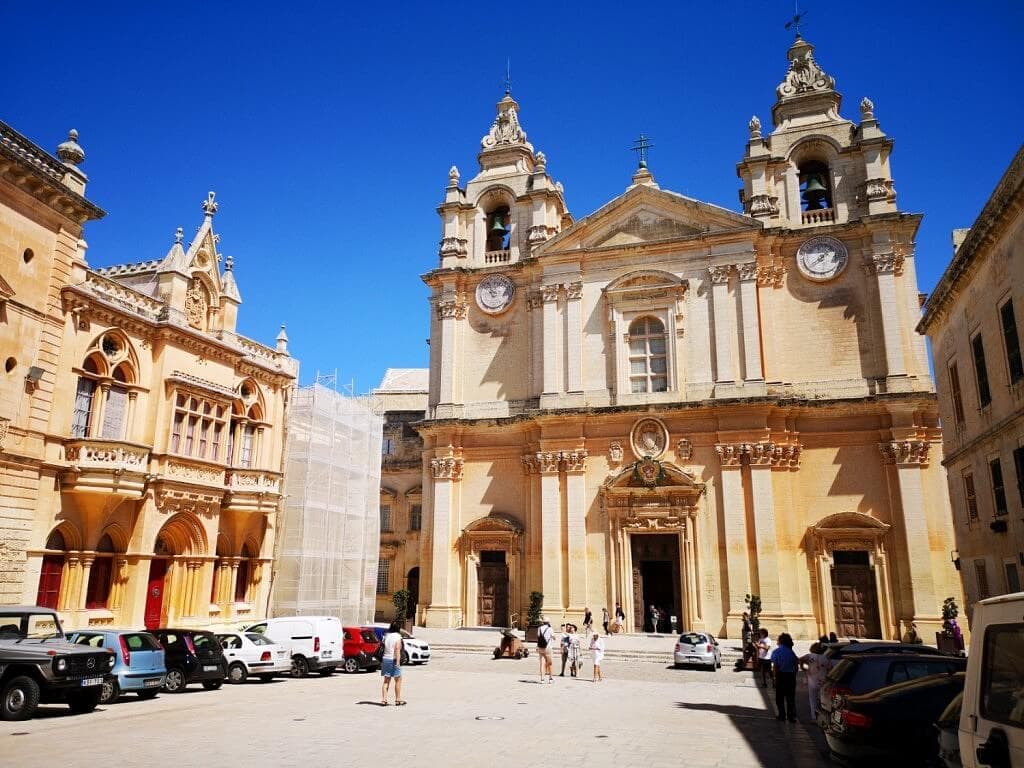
670 403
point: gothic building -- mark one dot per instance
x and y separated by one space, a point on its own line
670 403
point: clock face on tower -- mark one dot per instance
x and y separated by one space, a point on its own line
821 258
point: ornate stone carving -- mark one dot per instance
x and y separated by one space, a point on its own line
210 204
884 263
506 129
453 177
194 472
530 464
615 452
534 300
684 449
548 461
907 452
670 522
70 152
447 468
171 500
867 109
195 306
747 271
105 454
5 424
879 189
771 275
453 246
754 127
450 307
720 273
729 454
539 233
549 293
649 438
763 205
494 294
574 290
804 75
775 455
575 461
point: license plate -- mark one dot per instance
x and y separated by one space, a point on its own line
326 654
90 681
153 682
210 668
693 658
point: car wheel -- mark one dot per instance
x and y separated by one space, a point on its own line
237 673
300 667
212 685
326 671
174 682
149 693
351 665
405 658
110 692
266 678
19 699
85 701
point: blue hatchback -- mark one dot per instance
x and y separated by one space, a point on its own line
140 661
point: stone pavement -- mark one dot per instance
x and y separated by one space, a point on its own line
462 710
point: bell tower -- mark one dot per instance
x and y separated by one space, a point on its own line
815 168
510 206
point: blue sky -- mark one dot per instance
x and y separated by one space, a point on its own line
327 132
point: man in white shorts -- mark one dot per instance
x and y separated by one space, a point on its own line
545 637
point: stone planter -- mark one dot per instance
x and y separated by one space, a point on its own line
949 644
531 633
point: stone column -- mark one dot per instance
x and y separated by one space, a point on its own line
83 587
827 613
119 579
446 472
551 530
68 598
752 370
693 611
576 526
472 571
129 421
886 267
574 333
723 326
883 588
100 401
552 379
761 460
737 555
449 310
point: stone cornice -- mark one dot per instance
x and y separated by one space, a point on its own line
905 452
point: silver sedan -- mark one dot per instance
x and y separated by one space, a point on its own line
697 649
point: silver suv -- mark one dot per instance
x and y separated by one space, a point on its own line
39 666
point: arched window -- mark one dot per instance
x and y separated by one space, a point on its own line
815 186
648 364
110 367
499 229
116 408
244 571
98 592
52 572
81 419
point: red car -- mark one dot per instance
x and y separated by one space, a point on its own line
361 646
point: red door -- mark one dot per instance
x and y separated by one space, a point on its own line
155 593
49 581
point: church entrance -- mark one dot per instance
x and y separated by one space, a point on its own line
853 595
492 590
655 580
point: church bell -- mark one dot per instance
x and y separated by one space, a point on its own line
814 193
499 223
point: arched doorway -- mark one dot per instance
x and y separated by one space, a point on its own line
492 558
155 589
412 581
175 571
51 574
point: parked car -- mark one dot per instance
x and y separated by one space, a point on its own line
697 648
948 725
314 642
836 651
191 656
858 674
414 651
250 654
894 725
992 717
361 647
139 661
38 665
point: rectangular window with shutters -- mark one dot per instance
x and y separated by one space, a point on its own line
415 517
383 577
970 498
980 371
1012 578
955 393
1014 364
83 407
998 491
1018 465
114 413
385 518
981 574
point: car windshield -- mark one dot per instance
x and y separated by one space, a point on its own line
368 636
34 626
258 639
692 638
203 640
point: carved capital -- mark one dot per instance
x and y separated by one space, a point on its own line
729 454
548 461
905 452
574 290
884 264
530 464
879 189
771 275
575 461
720 273
448 468
454 246
549 293
762 206
774 455
539 233
451 307
747 271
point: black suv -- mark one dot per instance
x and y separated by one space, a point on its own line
38 665
191 656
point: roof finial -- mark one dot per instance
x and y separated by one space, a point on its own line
69 152
210 203
179 235
798 16
282 341
453 177
641 146
867 109
229 263
508 77
754 126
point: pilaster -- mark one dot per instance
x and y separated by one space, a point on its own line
552 377
886 267
752 368
446 471
723 326
450 309
576 525
734 513
574 336
551 530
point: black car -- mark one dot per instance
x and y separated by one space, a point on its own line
836 651
191 656
894 725
863 673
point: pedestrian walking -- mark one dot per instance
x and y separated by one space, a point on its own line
391 664
784 666
764 651
604 619
545 636
588 621
748 630
620 618
597 649
653 612
816 664
563 644
574 650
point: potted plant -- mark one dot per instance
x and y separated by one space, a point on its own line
400 599
533 615
950 639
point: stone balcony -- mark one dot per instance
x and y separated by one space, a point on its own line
251 490
819 216
98 466
497 257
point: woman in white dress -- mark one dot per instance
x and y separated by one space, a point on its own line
597 648
391 665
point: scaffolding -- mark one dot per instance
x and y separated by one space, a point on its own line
329 534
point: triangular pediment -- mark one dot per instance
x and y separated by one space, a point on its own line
646 214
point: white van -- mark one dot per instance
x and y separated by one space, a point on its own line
992 716
316 641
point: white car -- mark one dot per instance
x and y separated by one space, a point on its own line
414 651
316 642
248 653
698 649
